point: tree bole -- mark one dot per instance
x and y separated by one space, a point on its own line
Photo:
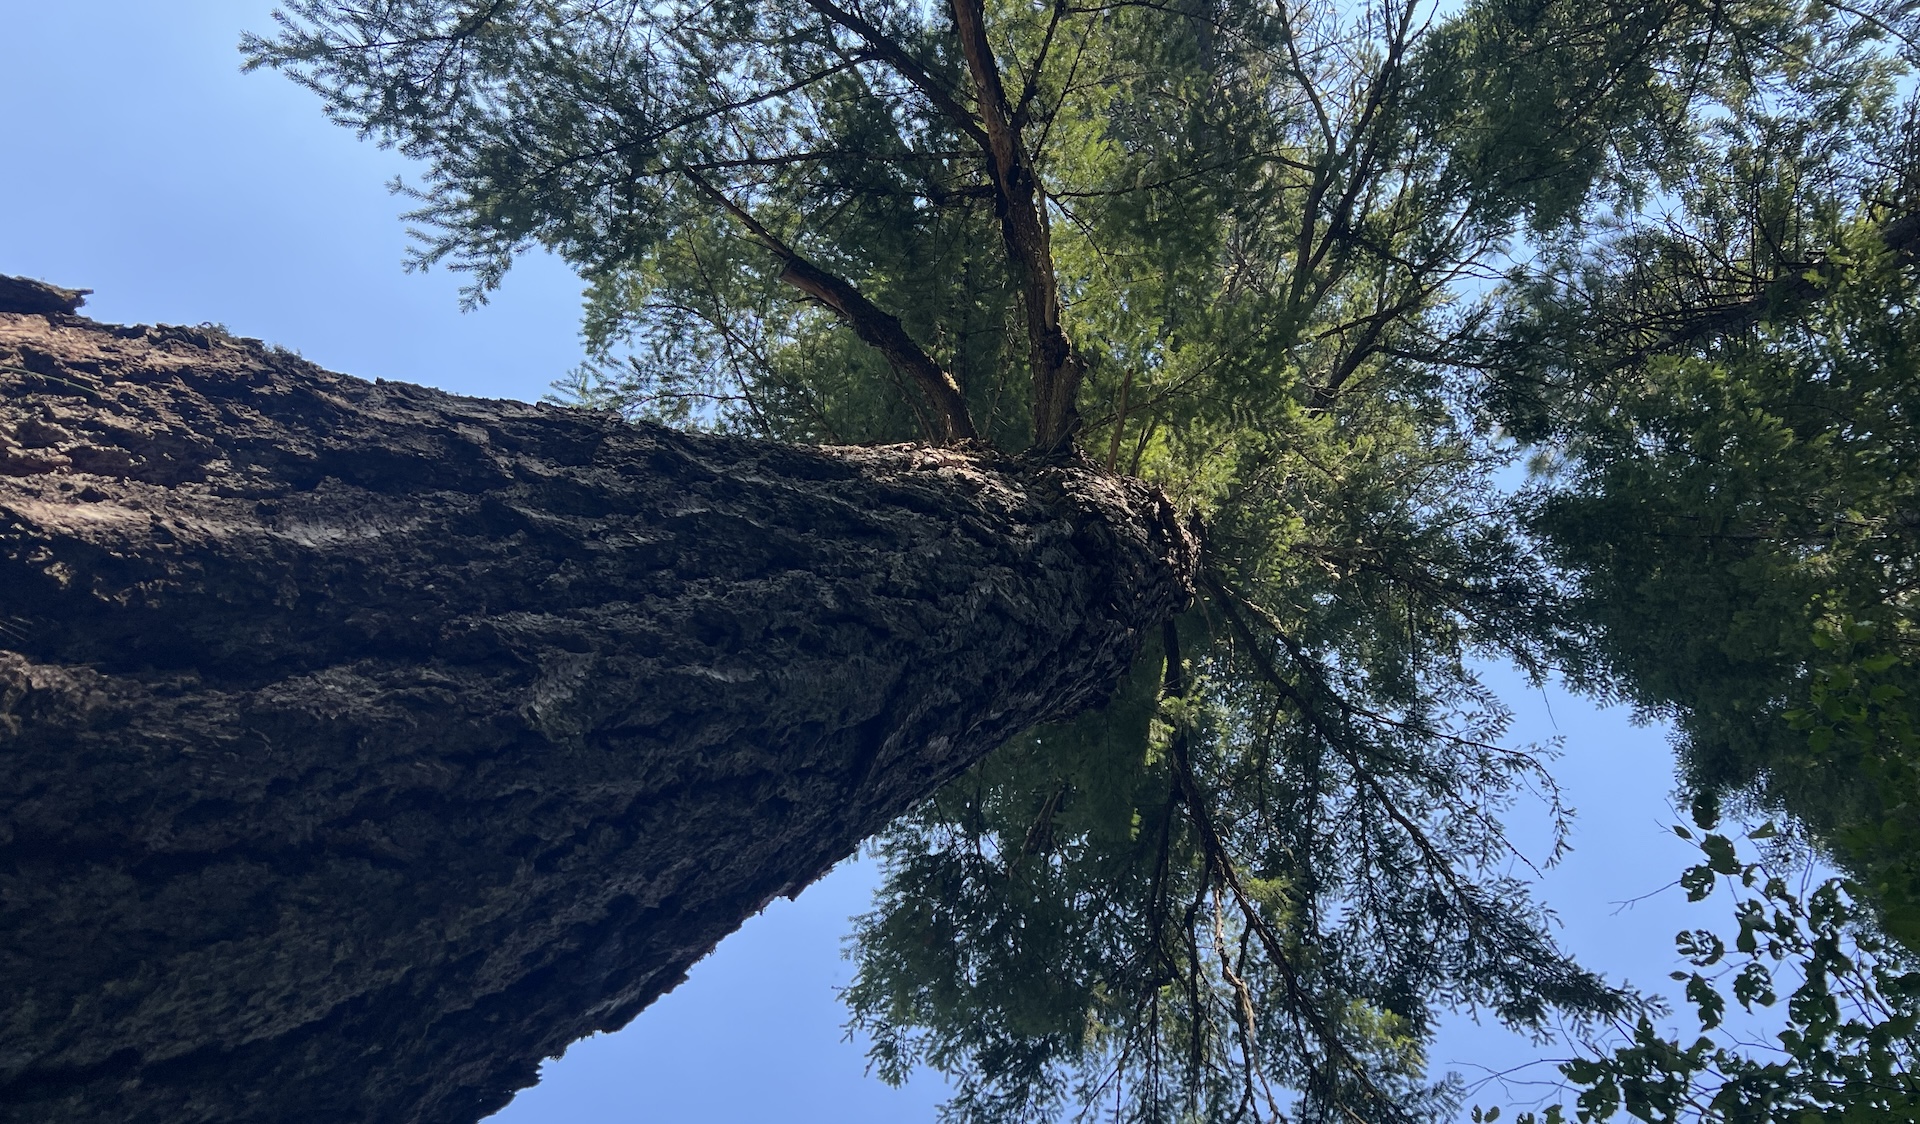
362 745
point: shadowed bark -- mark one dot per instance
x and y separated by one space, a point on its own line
362 745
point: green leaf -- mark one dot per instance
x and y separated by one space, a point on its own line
1697 881
1721 857
1708 1003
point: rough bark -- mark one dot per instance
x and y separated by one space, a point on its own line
362 745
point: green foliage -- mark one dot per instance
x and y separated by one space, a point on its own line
1719 392
1059 926
1846 1005
1863 749
1741 527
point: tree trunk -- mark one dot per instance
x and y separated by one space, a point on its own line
362 745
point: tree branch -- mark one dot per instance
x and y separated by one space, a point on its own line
875 326
1794 288
1021 206
888 50
1216 855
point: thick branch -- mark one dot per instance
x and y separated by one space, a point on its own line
885 48
875 326
1021 207
366 744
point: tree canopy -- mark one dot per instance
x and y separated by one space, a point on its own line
1329 275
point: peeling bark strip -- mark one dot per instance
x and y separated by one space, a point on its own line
362 745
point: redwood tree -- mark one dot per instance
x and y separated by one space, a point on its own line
365 744
1253 252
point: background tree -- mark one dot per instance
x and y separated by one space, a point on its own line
1719 391
1244 250
1721 394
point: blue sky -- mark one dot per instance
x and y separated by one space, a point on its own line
140 163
